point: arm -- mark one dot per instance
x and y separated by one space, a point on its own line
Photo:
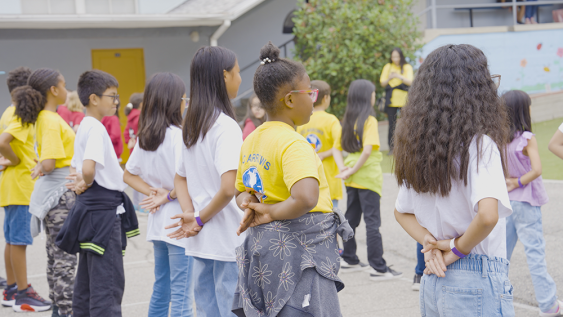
188 224
181 189
480 227
556 144
43 168
325 154
87 178
532 152
338 159
137 183
6 150
411 226
222 197
384 79
366 152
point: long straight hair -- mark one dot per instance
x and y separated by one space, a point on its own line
358 110
162 103
250 115
518 104
208 92
403 59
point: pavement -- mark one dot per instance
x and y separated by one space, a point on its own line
361 297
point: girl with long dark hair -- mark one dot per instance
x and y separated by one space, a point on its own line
205 179
150 170
363 179
450 166
255 116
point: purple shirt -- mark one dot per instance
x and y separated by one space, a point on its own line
518 165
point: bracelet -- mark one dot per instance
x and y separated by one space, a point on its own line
198 219
456 251
169 197
520 183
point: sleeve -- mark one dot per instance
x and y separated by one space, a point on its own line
248 128
384 74
114 130
405 202
52 146
299 161
180 168
95 147
239 185
408 72
17 130
133 165
487 177
561 127
336 131
227 149
371 133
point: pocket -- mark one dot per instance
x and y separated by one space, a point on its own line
506 300
466 300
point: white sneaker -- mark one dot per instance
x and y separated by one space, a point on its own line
416 282
557 314
390 274
345 267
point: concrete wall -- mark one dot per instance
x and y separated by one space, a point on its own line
547 106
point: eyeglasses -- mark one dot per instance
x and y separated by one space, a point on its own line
496 80
313 93
115 97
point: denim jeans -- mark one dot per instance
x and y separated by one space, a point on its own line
530 11
216 282
525 224
335 203
173 281
420 264
476 285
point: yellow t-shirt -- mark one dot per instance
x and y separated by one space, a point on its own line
273 158
323 132
6 117
399 97
54 139
16 184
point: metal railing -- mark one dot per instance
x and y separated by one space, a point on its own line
433 7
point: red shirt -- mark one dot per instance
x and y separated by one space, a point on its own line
248 128
63 111
75 118
132 126
114 130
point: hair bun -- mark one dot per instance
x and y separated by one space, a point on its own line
270 52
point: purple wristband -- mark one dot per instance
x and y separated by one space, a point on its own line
456 251
520 183
168 196
198 219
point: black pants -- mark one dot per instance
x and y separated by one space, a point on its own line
367 202
100 280
392 116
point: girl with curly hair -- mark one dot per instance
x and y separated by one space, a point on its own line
450 165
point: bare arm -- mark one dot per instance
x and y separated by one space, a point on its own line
181 190
531 150
137 183
556 144
366 152
325 154
480 227
338 159
47 166
88 171
6 150
411 226
222 197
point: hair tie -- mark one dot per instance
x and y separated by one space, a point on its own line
267 60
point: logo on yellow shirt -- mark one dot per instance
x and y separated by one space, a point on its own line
313 139
253 183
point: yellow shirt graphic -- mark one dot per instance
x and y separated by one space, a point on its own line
54 139
324 131
399 97
273 158
16 184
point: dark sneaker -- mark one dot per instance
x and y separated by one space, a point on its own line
3 282
345 267
416 282
30 301
55 311
390 274
9 296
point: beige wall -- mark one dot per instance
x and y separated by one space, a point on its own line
547 106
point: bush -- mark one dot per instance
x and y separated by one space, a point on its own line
340 41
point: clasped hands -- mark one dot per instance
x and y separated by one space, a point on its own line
255 213
437 255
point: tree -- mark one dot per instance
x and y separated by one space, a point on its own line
340 41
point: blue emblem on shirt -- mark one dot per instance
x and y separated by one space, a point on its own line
253 183
314 141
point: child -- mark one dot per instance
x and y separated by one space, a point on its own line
152 167
289 261
527 195
323 132
255 116
206 176
76 109
449 149
16 186
113 127
50 200
364 179
133 111
16 78
103 216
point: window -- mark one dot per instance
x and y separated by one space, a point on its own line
110 6
48 6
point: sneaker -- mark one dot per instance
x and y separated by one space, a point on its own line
345 267
55 311
558 313
390 274
9 296
3 282
30 301
416 282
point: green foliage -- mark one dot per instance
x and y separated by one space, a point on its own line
341 41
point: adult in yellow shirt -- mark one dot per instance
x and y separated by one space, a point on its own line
323 133
396 77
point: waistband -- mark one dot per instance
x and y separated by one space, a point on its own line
481 263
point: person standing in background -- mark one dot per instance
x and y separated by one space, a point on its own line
132 111
76 109
255 116
114 130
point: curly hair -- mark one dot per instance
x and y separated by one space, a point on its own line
273 75
18 77
31 98
452 101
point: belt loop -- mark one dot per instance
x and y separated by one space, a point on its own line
485 263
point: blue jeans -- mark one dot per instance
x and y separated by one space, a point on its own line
17 221
420 264
525 224
530 10
476 285
335 203
216 282
173 281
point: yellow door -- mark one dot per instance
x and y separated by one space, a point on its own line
128 67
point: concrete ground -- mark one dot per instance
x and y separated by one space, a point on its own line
361 297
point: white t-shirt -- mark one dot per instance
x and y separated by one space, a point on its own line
448 217
561 127
92 142
158 168
202 165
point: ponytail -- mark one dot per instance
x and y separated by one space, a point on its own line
31 98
